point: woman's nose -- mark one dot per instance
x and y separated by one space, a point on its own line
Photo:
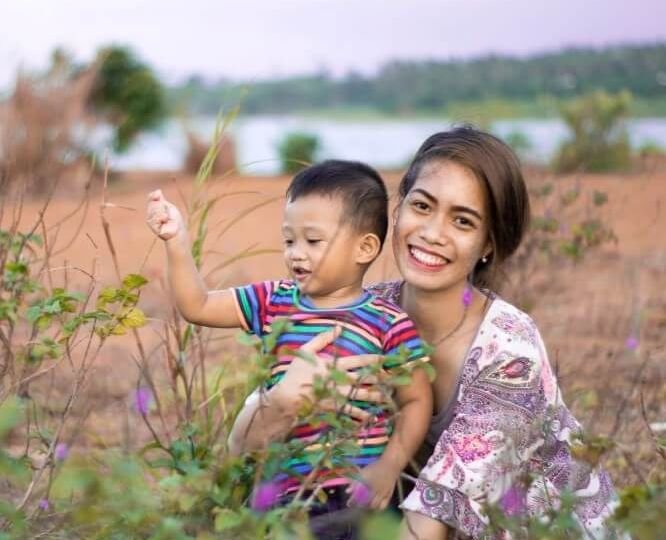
433 231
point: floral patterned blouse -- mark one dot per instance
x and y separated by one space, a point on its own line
506 423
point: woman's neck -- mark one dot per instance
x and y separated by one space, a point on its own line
436 313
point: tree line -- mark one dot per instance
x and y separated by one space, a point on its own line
413 86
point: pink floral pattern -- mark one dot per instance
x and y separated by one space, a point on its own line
509 422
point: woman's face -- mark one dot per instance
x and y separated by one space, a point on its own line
441 227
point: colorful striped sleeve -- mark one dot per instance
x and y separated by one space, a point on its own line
402 343
252 303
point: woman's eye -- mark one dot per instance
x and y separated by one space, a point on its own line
420 205
314 241
288 242
464 222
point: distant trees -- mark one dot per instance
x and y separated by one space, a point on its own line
405 86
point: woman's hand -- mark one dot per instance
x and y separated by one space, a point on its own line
269 416
297 384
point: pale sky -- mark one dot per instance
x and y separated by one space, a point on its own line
249 39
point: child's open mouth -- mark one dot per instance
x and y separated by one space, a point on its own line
300 273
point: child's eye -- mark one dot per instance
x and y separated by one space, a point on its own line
288 242
313 241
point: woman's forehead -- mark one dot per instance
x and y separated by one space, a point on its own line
451 183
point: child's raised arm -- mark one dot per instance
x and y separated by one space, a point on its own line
195 303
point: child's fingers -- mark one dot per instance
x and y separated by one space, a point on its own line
155 195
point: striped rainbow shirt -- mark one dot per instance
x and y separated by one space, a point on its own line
370 325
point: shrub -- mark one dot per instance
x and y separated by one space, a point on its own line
128 94
599 140
297 150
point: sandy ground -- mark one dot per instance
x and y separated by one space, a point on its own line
585 311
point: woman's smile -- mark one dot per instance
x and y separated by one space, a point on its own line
425 259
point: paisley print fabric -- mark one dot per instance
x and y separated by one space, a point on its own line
508 423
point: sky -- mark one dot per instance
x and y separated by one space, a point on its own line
255 39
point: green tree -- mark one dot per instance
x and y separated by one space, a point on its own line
599 140
128 94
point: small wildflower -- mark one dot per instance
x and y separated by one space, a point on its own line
467 296
265 496
631 343
143 398
360 495
44 504
61 452
513 502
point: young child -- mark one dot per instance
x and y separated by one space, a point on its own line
335 223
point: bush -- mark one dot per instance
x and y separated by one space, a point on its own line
297 150
128 94
599 140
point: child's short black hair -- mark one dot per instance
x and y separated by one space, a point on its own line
364 196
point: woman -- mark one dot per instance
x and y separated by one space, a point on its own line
500 433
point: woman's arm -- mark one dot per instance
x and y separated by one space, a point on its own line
416 526
264 418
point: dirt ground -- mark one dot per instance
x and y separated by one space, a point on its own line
585 311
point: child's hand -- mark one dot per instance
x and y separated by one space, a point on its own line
162 217
375 488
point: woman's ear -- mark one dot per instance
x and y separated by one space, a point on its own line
368 248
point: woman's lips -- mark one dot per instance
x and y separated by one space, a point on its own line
425 259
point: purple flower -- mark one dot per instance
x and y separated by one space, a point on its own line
361 494
143 398
513 502
61 452
631 343
467 296
265 496
43 504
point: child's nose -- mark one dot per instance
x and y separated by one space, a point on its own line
295 254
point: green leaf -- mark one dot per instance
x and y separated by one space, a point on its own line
133 318
10 413
227 519
134 281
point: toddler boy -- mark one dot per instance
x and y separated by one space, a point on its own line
335 223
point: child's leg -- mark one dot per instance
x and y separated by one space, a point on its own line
416 526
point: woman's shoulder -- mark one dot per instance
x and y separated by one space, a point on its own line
387 290
508 342
511 323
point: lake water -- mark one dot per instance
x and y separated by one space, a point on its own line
382 143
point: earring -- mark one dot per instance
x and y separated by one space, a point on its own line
484 259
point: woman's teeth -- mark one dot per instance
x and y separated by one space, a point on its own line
426 258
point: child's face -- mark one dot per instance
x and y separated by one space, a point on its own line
320 251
